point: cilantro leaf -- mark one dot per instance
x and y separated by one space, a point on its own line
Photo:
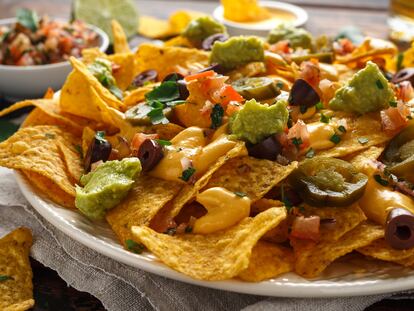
325 118
162 142
78 148
393 103
379 84
28 19
342 129
335 138
168 91
216 116
319 106
310 153
134 247
297 141
285 200
157 116
380 180
175 103
100 136
363 140
187 173
5 278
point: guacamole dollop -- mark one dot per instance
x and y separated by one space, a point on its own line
367 91
255 121
237 51
105 187
297 37
201 28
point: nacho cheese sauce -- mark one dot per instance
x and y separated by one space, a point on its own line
224 209
320 134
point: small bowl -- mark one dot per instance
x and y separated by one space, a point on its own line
262 28
24 82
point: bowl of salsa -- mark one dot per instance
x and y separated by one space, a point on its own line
34 52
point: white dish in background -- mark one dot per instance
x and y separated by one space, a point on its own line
23 82
262 28
337 281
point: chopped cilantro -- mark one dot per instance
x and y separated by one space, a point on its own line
303 109
400 59
28 19
156 114
342 129
134 247
380 180
335 138
188 229
319 106
310 153
280 84
325 118
379 84
163 142
216 116
166 92
363 140
100 136
187 173
240 194
393 103
175 103
5 278
50 135
297 141
285 200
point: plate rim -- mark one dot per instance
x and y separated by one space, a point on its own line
272 288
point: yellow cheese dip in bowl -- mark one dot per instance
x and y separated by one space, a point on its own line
279 13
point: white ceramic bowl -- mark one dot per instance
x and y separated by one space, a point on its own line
262 28
23 82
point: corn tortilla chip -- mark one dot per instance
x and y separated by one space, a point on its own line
312 258
89 55
179 20
255 177
179 41
366 126
379 249
73 160
36 149
361 159
16 291
154 28
189 192
120 38
138 95
141 205
167 131
126 71
216 256
268 260
166 60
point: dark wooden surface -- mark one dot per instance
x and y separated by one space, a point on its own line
325 17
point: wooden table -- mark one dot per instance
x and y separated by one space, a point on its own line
325 17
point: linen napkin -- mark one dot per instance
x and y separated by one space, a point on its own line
120 287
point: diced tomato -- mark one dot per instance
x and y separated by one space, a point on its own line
394 119
306 228
66 44
299 130
205 74
139 138
281 46
405 91
232 108
227 94
25 60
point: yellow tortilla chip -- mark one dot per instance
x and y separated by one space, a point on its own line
16 287
379 249
120 38
166 60
179 20
36 149
312 258
138 95
87 136
50 189
361 159
188 192
346 219
89 55
141 205
179 41
215 256
72 157
125 73
267 261
154 28
255 177
167 131
366 126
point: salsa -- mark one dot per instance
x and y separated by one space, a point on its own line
38 41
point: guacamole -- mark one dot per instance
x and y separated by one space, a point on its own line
201 28
367 91
105 187
102 70
297 37
237 51
255 121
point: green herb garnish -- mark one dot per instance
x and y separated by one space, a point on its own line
240 194
342 129
163 142
280 84
102 70
79 150
379 84
297 141
310 153
188 229
100 136
335 138
363 140
216 116
50 135
168 91
5 278
28 19
187 173
285 200
325 118
156 114
134 247
393 103
380 180
319 106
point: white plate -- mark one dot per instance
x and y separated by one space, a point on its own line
338 280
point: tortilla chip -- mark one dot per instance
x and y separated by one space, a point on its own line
189 192
179 20
154 28
312 258
366 126
16 290
120 38
51 108
73 160
255 177
362 159
49 93
346 219
138 95
167 131
36 149
215 256
166 60
179 41
50 189
267 261
379 249
87 136
126 71
89 55
143 202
